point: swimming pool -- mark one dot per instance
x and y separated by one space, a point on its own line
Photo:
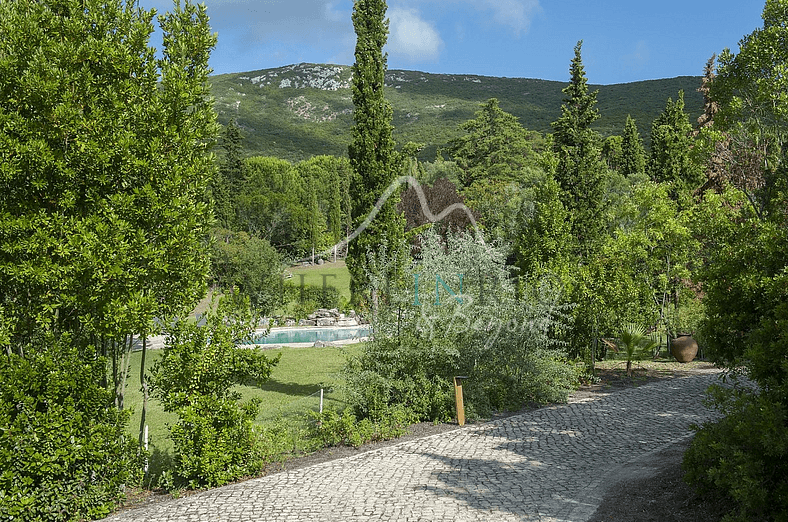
312 334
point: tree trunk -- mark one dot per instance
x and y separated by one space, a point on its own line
144 386
115 370
128 345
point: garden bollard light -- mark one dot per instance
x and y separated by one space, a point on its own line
458 399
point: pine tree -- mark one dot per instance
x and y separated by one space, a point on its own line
495 146
671 145
580 167
612 152
372 154
633 157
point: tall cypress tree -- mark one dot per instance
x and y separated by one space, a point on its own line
373 158
580 166
633 157
226 184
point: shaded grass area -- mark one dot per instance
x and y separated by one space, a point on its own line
612 373
294 388
334 274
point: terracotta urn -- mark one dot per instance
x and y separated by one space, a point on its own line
684 348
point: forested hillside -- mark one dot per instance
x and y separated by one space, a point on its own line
304 110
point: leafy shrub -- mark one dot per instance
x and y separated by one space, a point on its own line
506 344
64 452
635 344
744 455
250 264
214 438
746 298
313 297
373 388
215 442
335 429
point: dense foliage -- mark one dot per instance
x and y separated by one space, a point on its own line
215 439
459 315
300 209
106 188
375 162
746 322
64 450
671 148
104 215
104 206
745 277
249 264
578 147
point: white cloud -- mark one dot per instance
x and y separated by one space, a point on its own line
412 37
638 58
335 15
516 14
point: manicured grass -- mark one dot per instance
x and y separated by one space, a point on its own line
157 419
336 275
293 389
295 383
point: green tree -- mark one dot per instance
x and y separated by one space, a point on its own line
496 160
272 204
215 438
580 170
317 221
329 180
104 208
671 148
104 196
745 233
335 209
372 155
633 157
750 92
249 264
228 182
612 152
544 240
495 146
746 285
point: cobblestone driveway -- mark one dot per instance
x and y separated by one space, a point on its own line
550 464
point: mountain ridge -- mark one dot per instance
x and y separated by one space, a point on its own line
302 110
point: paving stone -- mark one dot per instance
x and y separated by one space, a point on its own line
549 464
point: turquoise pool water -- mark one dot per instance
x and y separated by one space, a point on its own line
311 334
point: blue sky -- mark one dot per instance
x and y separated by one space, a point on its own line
623 40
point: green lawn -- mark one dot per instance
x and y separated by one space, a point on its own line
336 275
293 389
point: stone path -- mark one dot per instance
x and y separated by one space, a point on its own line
551 464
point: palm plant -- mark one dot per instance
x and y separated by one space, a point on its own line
634 342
